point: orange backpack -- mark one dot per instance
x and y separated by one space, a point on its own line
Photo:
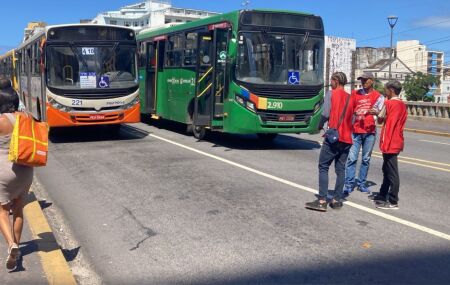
29 141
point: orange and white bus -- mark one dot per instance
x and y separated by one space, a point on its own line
80 74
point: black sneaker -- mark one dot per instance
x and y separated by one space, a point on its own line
336 205
377 198
317 206
386 206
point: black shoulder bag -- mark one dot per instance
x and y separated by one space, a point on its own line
332 134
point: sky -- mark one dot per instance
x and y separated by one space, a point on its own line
366 21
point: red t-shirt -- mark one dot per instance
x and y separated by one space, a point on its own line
338 99
391 140
364 122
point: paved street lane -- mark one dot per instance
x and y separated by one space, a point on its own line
148 211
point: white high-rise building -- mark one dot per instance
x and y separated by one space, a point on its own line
151 13
419 59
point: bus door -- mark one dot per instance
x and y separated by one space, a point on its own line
151 68
203 107
221 38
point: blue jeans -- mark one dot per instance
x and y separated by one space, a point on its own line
366 142
328 153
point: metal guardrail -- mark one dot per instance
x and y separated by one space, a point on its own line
428 109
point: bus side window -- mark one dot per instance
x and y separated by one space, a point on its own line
190 52
174 50
151 60
142 54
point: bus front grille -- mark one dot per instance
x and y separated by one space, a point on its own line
274 116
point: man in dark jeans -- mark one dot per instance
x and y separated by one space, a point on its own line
338 111
394 116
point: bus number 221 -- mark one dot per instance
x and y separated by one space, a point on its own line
77 102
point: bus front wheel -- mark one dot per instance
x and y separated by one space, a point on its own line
199 132
267 137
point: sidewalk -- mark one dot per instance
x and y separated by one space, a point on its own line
441 127
29 270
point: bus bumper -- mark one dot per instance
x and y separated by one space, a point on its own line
57 118
243 121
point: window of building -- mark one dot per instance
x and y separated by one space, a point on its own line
385 75
147 21
174 50
127 24
113 22
179 21
136 24
168 21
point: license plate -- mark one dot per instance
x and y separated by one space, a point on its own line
97 117
286 118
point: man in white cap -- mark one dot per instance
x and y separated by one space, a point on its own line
368 103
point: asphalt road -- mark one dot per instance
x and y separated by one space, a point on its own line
152 205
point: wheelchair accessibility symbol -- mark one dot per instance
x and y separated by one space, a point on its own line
294 77
103 82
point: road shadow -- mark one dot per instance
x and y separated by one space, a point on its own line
44 204
95 134
410 267
46 242
240 142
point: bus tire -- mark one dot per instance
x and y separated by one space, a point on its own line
189 129
267 137
199 132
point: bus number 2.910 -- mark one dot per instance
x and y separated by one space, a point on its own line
274 105
77 102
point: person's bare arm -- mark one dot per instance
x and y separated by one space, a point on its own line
5 126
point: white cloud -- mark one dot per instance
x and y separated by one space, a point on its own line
435 21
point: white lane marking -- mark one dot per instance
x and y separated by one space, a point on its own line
308 189
434 142
401 159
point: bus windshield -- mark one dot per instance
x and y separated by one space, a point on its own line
267 58
91 67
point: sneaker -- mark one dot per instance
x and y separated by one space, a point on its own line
377 198
336 205
317 206
13 255
386 206
346 191
364 189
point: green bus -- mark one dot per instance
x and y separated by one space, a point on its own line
244 72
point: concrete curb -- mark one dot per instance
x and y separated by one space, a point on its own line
425 132
53 262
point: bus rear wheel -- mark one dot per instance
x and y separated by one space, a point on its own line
267 137
199 132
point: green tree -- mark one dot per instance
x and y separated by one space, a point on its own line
418 85
377 85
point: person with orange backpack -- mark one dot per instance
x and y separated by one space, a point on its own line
15 179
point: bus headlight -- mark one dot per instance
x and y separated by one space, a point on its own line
251 106
240 100
58 106
317 106
131 104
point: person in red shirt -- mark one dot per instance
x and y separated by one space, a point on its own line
394 116
368 102
338 111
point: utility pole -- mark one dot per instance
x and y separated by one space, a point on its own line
245 4
392 20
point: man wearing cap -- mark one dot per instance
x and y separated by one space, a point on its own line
368 103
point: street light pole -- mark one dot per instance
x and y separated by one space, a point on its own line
392 20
